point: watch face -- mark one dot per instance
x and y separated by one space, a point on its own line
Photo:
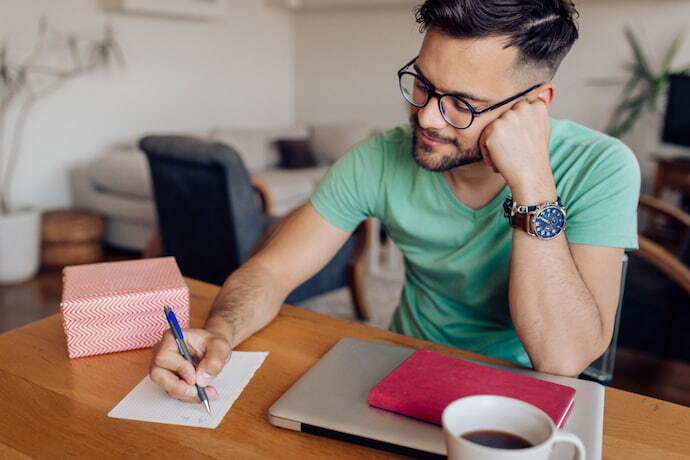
548 223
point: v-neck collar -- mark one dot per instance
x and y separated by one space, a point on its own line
491 207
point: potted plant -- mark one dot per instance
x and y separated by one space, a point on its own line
645 86
22 84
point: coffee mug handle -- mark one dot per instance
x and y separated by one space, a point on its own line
564 436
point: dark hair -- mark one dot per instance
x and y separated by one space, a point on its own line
543 30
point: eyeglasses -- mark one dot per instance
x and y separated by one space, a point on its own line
455 110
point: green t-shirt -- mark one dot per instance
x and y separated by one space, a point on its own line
457 259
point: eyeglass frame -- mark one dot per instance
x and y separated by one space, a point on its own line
432 93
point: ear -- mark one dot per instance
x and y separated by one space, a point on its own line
545 93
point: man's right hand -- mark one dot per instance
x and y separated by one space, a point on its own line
249 299
177 376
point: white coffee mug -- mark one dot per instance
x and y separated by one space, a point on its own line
508 415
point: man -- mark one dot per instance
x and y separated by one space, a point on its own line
484 273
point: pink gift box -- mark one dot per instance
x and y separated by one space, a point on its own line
118 306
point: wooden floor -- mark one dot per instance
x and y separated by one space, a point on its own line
40 297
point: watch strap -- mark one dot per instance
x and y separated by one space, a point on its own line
520 217
521 221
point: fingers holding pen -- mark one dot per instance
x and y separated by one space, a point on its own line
174 363
177 376
174 386
215 354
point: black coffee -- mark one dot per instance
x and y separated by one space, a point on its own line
497 439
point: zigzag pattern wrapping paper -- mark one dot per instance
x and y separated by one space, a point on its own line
118 306
147 402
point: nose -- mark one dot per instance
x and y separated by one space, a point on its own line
430 116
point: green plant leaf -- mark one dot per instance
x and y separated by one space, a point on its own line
672 53
635 79
118 54
638 52
657 89
624 120
630 121
633 101
74 50
630 66
626 114
114 50
604 81
4 66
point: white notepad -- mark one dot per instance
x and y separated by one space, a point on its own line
148 402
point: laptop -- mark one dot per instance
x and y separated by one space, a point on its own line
331 400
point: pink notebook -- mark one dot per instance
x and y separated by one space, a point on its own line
426 382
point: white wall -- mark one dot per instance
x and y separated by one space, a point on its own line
346 62
262 66
180 76
602 51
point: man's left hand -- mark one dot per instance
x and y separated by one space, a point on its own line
516 145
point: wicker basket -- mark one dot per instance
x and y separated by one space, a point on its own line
71 237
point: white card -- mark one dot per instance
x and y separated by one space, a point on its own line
148 402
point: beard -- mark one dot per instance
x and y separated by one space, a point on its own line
430 159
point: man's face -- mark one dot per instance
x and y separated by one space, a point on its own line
482 70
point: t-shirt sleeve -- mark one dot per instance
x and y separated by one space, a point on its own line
603 210
348 193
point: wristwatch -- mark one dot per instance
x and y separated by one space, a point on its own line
544 221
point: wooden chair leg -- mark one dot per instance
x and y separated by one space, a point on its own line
357 271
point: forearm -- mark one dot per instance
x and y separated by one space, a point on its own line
555 315
562 297
249 299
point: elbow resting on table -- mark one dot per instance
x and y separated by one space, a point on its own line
568 366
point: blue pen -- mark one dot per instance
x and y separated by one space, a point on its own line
182 347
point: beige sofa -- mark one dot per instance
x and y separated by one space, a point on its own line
117 185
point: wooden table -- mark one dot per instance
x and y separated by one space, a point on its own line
54 407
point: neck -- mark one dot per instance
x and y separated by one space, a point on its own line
475 175
475 184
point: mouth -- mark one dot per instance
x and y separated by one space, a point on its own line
430 141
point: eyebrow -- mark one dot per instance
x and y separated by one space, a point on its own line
462 95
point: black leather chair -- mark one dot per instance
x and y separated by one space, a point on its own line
654 306
210 217
656 303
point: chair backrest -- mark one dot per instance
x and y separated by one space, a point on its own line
208 214
601 370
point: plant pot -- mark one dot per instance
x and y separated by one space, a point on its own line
20 232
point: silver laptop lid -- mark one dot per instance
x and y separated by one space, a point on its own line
331 400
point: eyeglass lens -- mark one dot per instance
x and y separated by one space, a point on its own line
454 110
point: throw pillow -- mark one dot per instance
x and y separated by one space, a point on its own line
295 154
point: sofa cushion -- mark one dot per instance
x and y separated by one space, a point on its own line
123 171
257 146
124 207
251 145
330 141
124 234
291 187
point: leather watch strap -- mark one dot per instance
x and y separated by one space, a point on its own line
521 217
522 222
